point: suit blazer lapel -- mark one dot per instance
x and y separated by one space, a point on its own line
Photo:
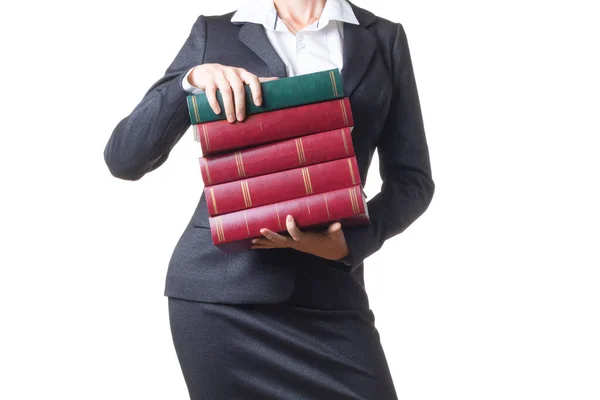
254 36
359 47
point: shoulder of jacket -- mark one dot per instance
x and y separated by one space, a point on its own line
385 31
382 27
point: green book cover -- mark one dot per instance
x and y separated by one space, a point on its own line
277 94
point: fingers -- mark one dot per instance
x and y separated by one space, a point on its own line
293 229
263 246
254 83
211 95
276 238
230 82
263 243
237 85
226 93
264 79
329 244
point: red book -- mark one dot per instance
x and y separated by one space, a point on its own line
220 136
283 155
233 232
280 186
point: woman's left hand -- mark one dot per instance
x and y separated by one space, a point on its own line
330 244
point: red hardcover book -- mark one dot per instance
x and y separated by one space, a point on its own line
233 232
281 186
282 155
220 136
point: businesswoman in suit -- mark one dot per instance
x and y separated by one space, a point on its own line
289 319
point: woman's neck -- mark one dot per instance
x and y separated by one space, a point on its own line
299 13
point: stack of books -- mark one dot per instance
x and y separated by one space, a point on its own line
291 155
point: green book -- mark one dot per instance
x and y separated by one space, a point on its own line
277 94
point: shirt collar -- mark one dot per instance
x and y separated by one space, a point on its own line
263 12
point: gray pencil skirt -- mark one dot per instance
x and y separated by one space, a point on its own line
278 351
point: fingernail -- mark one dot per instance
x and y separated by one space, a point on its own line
240 116
290 219
257 101
230 118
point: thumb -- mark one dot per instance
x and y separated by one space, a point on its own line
334 228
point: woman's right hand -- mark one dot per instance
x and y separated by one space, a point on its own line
230 81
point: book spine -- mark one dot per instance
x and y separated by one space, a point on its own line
276 94
280 186
220 136
283 155
233 232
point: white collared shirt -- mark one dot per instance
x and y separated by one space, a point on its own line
316 47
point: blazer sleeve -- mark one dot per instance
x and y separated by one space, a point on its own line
407 185
141 142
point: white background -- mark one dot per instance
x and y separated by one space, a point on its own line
492 294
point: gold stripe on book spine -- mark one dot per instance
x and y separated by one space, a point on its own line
353 200
205 163
196 113
307 182
298 151
242 164
222 230
332 86
277 212
308 206
304 178
206 139
333 83
302 150
239 162
218 229
216 222
214 201
326 206
246 193
343 132
246 219
344 113
351 171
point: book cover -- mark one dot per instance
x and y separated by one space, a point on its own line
279 186
283 155
277 94
233 232
221 136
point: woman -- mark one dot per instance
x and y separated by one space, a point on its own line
289 319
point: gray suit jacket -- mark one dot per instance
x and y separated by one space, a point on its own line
377 76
